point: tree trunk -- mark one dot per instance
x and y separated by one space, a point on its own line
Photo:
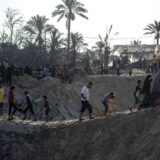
74 57
53 56
45 41
69 34
106 56
157 45
157 39
11 35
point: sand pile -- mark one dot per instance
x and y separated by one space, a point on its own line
64 99
123 87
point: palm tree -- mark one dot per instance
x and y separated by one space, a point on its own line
37 27
106 44
56 41
99 48
77 42
69 9
154 28
135 42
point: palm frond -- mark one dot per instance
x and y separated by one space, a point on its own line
82 15
110 29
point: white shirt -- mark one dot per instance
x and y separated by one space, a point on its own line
85 92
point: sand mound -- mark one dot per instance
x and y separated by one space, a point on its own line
121 137
64 99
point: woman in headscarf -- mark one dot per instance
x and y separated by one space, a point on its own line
155 93
146 92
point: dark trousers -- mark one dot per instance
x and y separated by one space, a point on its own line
106 106
146 101
29 108
46 111
15 109
86 105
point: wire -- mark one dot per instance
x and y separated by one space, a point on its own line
131 38
121 38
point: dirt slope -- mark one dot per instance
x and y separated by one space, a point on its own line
64 99
123 137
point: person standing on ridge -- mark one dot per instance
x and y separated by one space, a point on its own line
85 100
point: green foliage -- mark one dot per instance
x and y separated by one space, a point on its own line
153 28
77 41
37 27
13 23
68 10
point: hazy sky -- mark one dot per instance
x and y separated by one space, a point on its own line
129 17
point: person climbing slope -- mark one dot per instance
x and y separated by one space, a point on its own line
85 100
146 92
106 101
29 105
12 104
137 96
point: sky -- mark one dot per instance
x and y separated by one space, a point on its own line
128 17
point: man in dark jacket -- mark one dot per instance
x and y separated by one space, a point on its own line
146 92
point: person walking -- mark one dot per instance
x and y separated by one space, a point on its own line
112 105
137 96
106 101
85 100
29 106
146 92
12 104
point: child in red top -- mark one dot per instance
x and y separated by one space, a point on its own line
11 101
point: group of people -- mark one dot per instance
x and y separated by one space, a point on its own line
145 96
8 70
13 106
109 102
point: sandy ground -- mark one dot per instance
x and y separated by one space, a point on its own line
64 99
132 136
124 136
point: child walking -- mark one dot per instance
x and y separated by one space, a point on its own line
137 96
